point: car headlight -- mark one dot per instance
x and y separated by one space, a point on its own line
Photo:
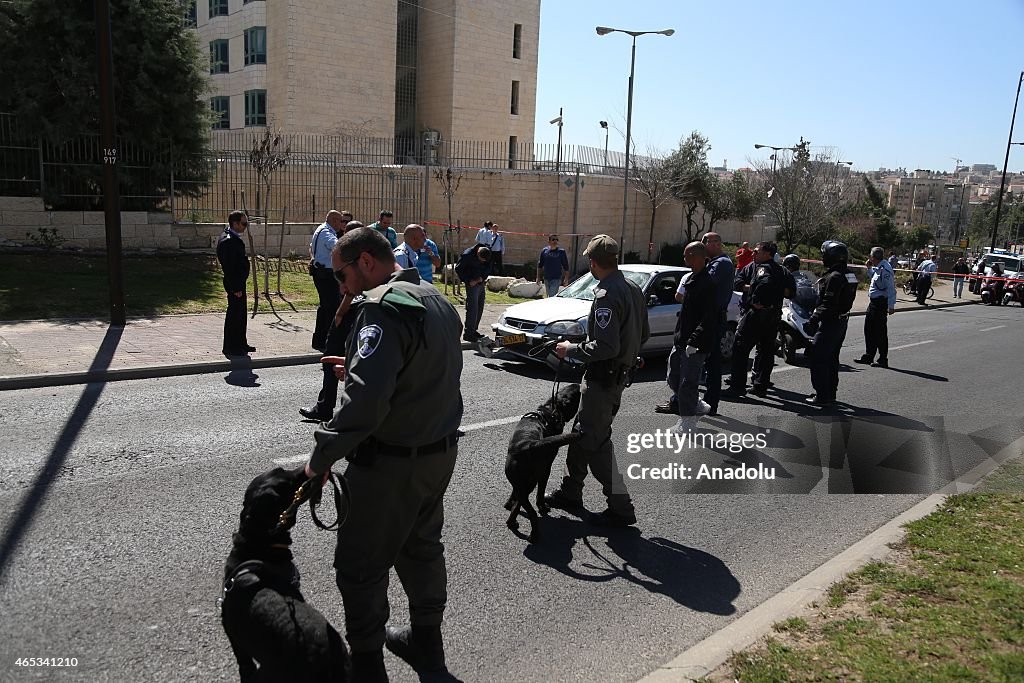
566 328
501 320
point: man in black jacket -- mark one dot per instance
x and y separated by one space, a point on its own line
836 293
473 268
695 332
231 254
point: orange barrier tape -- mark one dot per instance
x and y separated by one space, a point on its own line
512 232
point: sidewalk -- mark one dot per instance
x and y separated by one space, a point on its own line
51 352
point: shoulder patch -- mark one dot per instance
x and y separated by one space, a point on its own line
851 278
603 316
401 299
599 293
369 340
762 271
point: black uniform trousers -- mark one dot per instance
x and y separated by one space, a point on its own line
757 328
395 520
234 324
327 400
825 357
922 286
713 364
876 329
330 298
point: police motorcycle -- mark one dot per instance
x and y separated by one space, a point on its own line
993 287
795 312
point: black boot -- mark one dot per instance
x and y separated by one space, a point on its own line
368 667
420 646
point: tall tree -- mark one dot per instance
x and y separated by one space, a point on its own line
49 72
736 198
689 168
652 176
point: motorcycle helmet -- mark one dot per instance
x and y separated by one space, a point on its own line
833 253
791 262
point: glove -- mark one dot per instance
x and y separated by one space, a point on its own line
811 328
690 350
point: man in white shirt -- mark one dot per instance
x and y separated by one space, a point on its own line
320 246
924 277
493 240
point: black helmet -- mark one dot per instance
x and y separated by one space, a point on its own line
791 262
834 253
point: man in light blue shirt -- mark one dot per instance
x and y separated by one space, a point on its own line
493 240
924 277
430 258
320 246
881 304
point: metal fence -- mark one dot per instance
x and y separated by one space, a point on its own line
363 174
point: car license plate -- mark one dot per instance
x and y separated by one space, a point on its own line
511 339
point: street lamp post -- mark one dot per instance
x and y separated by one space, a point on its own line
603 31
558 153
1006 160
775 159
604 124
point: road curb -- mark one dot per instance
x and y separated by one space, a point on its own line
708 655
917 307
57 379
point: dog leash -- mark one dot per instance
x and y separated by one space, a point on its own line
312 490
547 347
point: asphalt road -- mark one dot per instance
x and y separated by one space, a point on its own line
118 502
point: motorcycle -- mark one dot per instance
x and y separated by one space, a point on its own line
796 312
1014 292
992 291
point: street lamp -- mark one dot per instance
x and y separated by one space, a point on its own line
1006 160
558 154
604 124
603 31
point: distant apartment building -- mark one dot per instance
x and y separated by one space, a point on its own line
403 69
940 203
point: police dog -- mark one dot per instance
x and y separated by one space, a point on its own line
274 634
532 450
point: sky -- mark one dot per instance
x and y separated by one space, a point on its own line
895 83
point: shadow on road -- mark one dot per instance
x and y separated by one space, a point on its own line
37 492
922 375
691 577
241 374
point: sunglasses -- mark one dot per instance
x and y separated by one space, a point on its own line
339 275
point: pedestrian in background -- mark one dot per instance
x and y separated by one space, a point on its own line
383 226
744 256
837 291
231 254
429 258
960 271
399 469
553 266
924 277
495 241
473 268
320 247
616 329
881 304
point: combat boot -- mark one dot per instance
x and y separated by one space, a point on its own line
368 667
420 646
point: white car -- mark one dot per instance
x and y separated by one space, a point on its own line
526 326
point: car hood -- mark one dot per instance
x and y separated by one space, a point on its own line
545 311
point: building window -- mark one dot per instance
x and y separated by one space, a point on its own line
515 97
256 45
190 13
255 107
218 56
512 150
218 8
517 41
221 107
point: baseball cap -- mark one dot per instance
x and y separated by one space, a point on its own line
602 245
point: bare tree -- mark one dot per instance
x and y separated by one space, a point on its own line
652 176
269 153
689 168
449 182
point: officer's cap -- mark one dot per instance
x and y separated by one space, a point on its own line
602 245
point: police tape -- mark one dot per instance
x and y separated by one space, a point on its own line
967 276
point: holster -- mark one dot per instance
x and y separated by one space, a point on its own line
607 375
365 453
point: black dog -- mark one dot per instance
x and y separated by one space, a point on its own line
532 450
275 635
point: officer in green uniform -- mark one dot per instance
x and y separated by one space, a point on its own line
403 354
616 329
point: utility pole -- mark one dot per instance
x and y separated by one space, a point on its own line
1006 160
108 141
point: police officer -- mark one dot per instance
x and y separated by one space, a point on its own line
764 284
320 246
231 254
616 329
403 355
881 304
836 293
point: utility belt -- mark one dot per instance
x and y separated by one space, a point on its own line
608 374
316 269
366 453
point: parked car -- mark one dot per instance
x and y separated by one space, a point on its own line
528 325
